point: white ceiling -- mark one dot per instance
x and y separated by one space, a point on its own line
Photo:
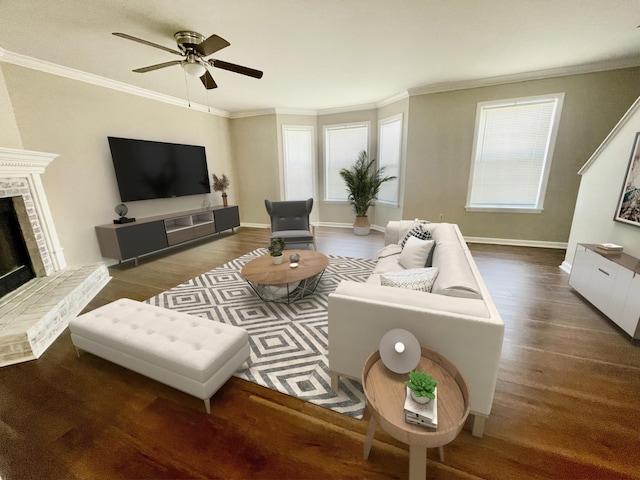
324 54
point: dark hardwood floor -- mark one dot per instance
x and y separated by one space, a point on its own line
567 403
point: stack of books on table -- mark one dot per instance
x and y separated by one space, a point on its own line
418 414
610 247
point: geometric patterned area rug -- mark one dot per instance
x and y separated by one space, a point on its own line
288 342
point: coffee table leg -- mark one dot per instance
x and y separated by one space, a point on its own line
369 440
417 462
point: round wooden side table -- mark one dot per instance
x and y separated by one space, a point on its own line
385 392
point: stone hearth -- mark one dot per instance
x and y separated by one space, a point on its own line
35 314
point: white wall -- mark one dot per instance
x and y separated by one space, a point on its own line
599 192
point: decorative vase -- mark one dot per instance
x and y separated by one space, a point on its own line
294 258
421 400
224 199
361 226
278 260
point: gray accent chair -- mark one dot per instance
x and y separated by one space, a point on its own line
290 220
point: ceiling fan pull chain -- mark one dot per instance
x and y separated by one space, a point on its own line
186 84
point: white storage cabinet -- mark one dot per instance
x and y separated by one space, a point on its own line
611 282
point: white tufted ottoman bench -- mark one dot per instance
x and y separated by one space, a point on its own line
191 354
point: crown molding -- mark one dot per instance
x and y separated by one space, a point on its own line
73 74
393 99
253 113
294 111
526 76
352 108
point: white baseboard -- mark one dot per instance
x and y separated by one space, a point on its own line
255 225
516 242
566 267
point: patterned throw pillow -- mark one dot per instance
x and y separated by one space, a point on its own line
420 231
421 279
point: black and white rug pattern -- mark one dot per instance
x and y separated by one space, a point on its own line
288 342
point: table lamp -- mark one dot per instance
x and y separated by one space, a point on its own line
400 350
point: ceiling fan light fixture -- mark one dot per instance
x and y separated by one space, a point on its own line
193 67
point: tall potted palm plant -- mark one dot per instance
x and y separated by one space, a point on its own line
363 183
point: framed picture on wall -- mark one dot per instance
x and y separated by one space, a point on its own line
628 210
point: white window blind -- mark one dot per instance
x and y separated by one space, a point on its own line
389 150
299 162
343 143
512 153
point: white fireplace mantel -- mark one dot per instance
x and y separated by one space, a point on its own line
30 165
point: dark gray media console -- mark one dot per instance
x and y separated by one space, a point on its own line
148 235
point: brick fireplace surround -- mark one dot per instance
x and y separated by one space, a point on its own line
35 314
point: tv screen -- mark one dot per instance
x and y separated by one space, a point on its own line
146 169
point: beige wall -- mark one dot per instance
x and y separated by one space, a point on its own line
600 187
73 119
440 138
9 133
255 147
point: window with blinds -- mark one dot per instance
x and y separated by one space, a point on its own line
389 151
513 148
342 144
299 161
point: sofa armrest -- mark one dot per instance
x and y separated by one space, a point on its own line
360 314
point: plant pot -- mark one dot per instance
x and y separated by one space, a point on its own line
278 260
421 400
361 226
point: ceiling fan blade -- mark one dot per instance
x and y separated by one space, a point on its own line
211 45
232 67
208 81
146 42
157 66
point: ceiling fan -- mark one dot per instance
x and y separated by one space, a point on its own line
193 48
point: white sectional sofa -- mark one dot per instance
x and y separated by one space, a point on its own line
457 318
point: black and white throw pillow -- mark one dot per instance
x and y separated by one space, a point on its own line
418 230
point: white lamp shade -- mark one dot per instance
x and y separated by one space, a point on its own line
400 350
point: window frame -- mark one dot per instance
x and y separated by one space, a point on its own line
334 127
311 130
558 98
386 121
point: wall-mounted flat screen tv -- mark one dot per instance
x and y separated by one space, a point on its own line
146 169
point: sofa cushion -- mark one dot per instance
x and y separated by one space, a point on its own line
387 260
418 230
455 278
414 278
415 252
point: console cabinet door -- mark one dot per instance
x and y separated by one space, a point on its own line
601 281
226 218
136 240
581 269
630 317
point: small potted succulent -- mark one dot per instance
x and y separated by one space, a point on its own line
275 249
220 184
422 386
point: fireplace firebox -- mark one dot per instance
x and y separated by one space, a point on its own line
16 268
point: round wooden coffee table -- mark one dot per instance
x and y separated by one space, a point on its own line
385 392
281 283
